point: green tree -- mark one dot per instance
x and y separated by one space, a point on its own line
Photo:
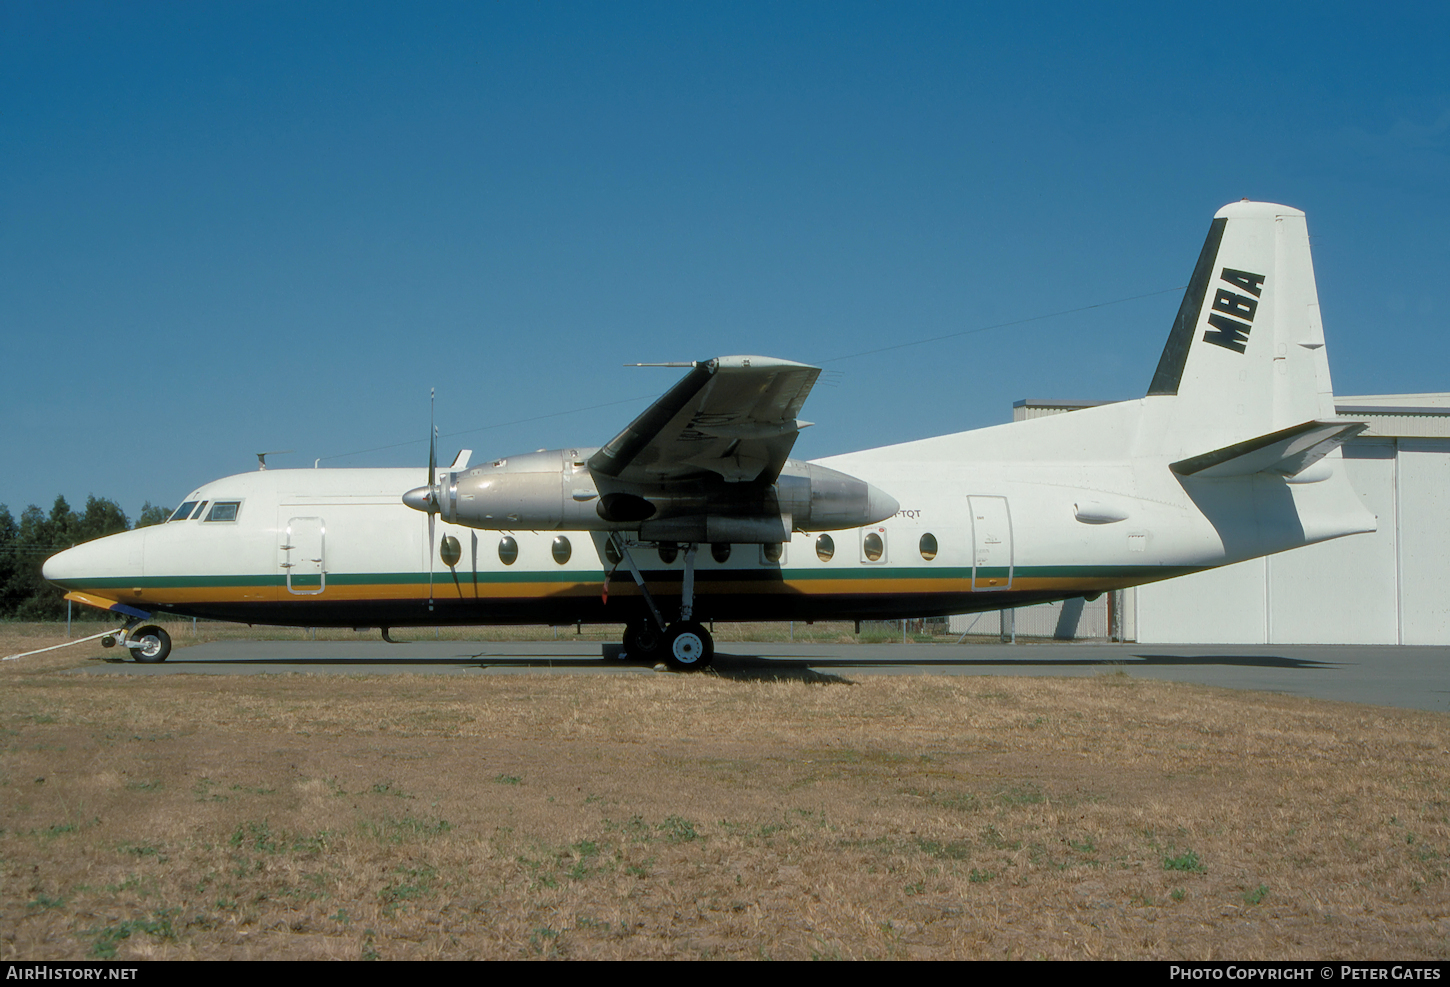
24 547
102 517
9 539
36 540
151 514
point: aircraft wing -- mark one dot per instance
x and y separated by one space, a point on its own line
734 416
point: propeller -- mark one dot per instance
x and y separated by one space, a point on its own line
429 499
433 500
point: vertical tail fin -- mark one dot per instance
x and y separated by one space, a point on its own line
1241 402
1246 353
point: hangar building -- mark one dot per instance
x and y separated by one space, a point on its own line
1389 587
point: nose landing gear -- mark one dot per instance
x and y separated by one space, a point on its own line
147 643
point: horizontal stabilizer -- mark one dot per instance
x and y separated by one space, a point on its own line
1288 452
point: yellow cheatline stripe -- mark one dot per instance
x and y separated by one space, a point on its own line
528 589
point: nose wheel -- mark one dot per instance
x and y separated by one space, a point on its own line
149 644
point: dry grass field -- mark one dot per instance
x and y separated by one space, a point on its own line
655 816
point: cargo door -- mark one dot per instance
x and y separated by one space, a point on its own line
991 544
302 555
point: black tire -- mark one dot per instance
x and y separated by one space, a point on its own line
154 644
643 641
688 647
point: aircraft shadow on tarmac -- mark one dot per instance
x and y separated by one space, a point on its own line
1130 661
764 665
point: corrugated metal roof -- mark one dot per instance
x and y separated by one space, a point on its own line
1042 407
1398 415
1420 401
1388 415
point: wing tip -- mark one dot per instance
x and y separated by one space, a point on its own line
752 362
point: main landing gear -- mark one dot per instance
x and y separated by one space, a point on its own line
683 645
688 646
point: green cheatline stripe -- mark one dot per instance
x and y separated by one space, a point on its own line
153 582
657 576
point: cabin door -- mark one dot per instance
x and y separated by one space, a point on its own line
304 540
991 544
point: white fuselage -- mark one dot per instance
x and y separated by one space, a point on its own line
1041 509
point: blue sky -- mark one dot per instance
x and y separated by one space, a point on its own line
227 228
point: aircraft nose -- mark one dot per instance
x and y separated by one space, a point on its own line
115 556
59 566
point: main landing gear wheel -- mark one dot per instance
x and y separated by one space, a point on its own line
643 641
151 644
688 646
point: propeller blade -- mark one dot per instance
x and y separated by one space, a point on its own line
433 500
428 498
432 453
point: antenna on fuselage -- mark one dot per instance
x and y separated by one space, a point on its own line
262 457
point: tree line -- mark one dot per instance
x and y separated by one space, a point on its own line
24 547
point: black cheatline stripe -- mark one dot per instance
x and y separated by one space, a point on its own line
1175 352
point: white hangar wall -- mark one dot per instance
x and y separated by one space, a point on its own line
1424 544
1388 587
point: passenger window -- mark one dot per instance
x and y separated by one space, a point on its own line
508 550
720 550
450 551
669 551
772 552
872 547
825 548
928 546
183 512
224 510
562 550
611 552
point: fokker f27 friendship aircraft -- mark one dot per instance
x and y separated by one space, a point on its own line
1232 454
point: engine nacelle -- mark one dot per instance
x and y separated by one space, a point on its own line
546 491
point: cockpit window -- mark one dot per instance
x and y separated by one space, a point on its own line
199 511
224 510
183 512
